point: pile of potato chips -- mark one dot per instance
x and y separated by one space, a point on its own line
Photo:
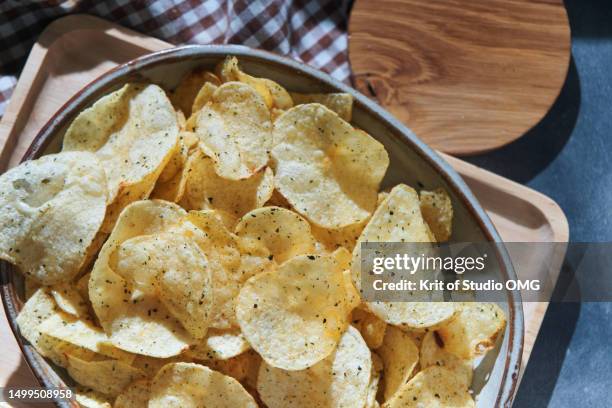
200 247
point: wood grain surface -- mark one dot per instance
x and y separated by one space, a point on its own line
467 76
63 61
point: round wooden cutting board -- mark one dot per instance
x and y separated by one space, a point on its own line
467 76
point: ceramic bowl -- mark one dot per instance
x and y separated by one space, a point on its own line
412 162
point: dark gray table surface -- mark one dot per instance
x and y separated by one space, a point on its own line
568 156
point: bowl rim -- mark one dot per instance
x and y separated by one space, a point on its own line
122 72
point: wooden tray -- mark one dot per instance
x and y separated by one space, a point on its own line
466 76
64 60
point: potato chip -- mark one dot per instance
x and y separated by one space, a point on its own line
219 345
340 380
341 103
57 196
88 398
281 99
398 219
222 251
433 353
135 395
129 316
345 237
474 330
109 377
39 307
185 93
187 385
274 95
204 95
82 334
133 132
284 233
352 294
294 316
400 356
434 387
204 189
69 300
235 130
327 170
151 365
437 210
372 329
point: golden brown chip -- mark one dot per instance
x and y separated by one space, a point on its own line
235 130
400 356
50 211
345 237
474 330
437 210
340 380
204 189
434 387
133 132
327 170
294 316
185 93
341 103
284 233
187 385
127 314
398 219
433 353
204 95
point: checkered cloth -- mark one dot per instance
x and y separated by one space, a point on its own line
312 31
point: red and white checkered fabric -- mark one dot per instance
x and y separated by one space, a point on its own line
312 31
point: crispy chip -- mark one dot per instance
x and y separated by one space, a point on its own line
220 345
400 356
474 331
345 237
36 310
433 353
341 103
238 367
294 317
82 334
204 189
398 219
57 196
235 130
127 314
372 329
68 298
135 395
222 251
434 387
340 380
133 132
187 90
437 210
88 398
377 368
187 385
109 377
30 287
284 233
204 95
327 170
